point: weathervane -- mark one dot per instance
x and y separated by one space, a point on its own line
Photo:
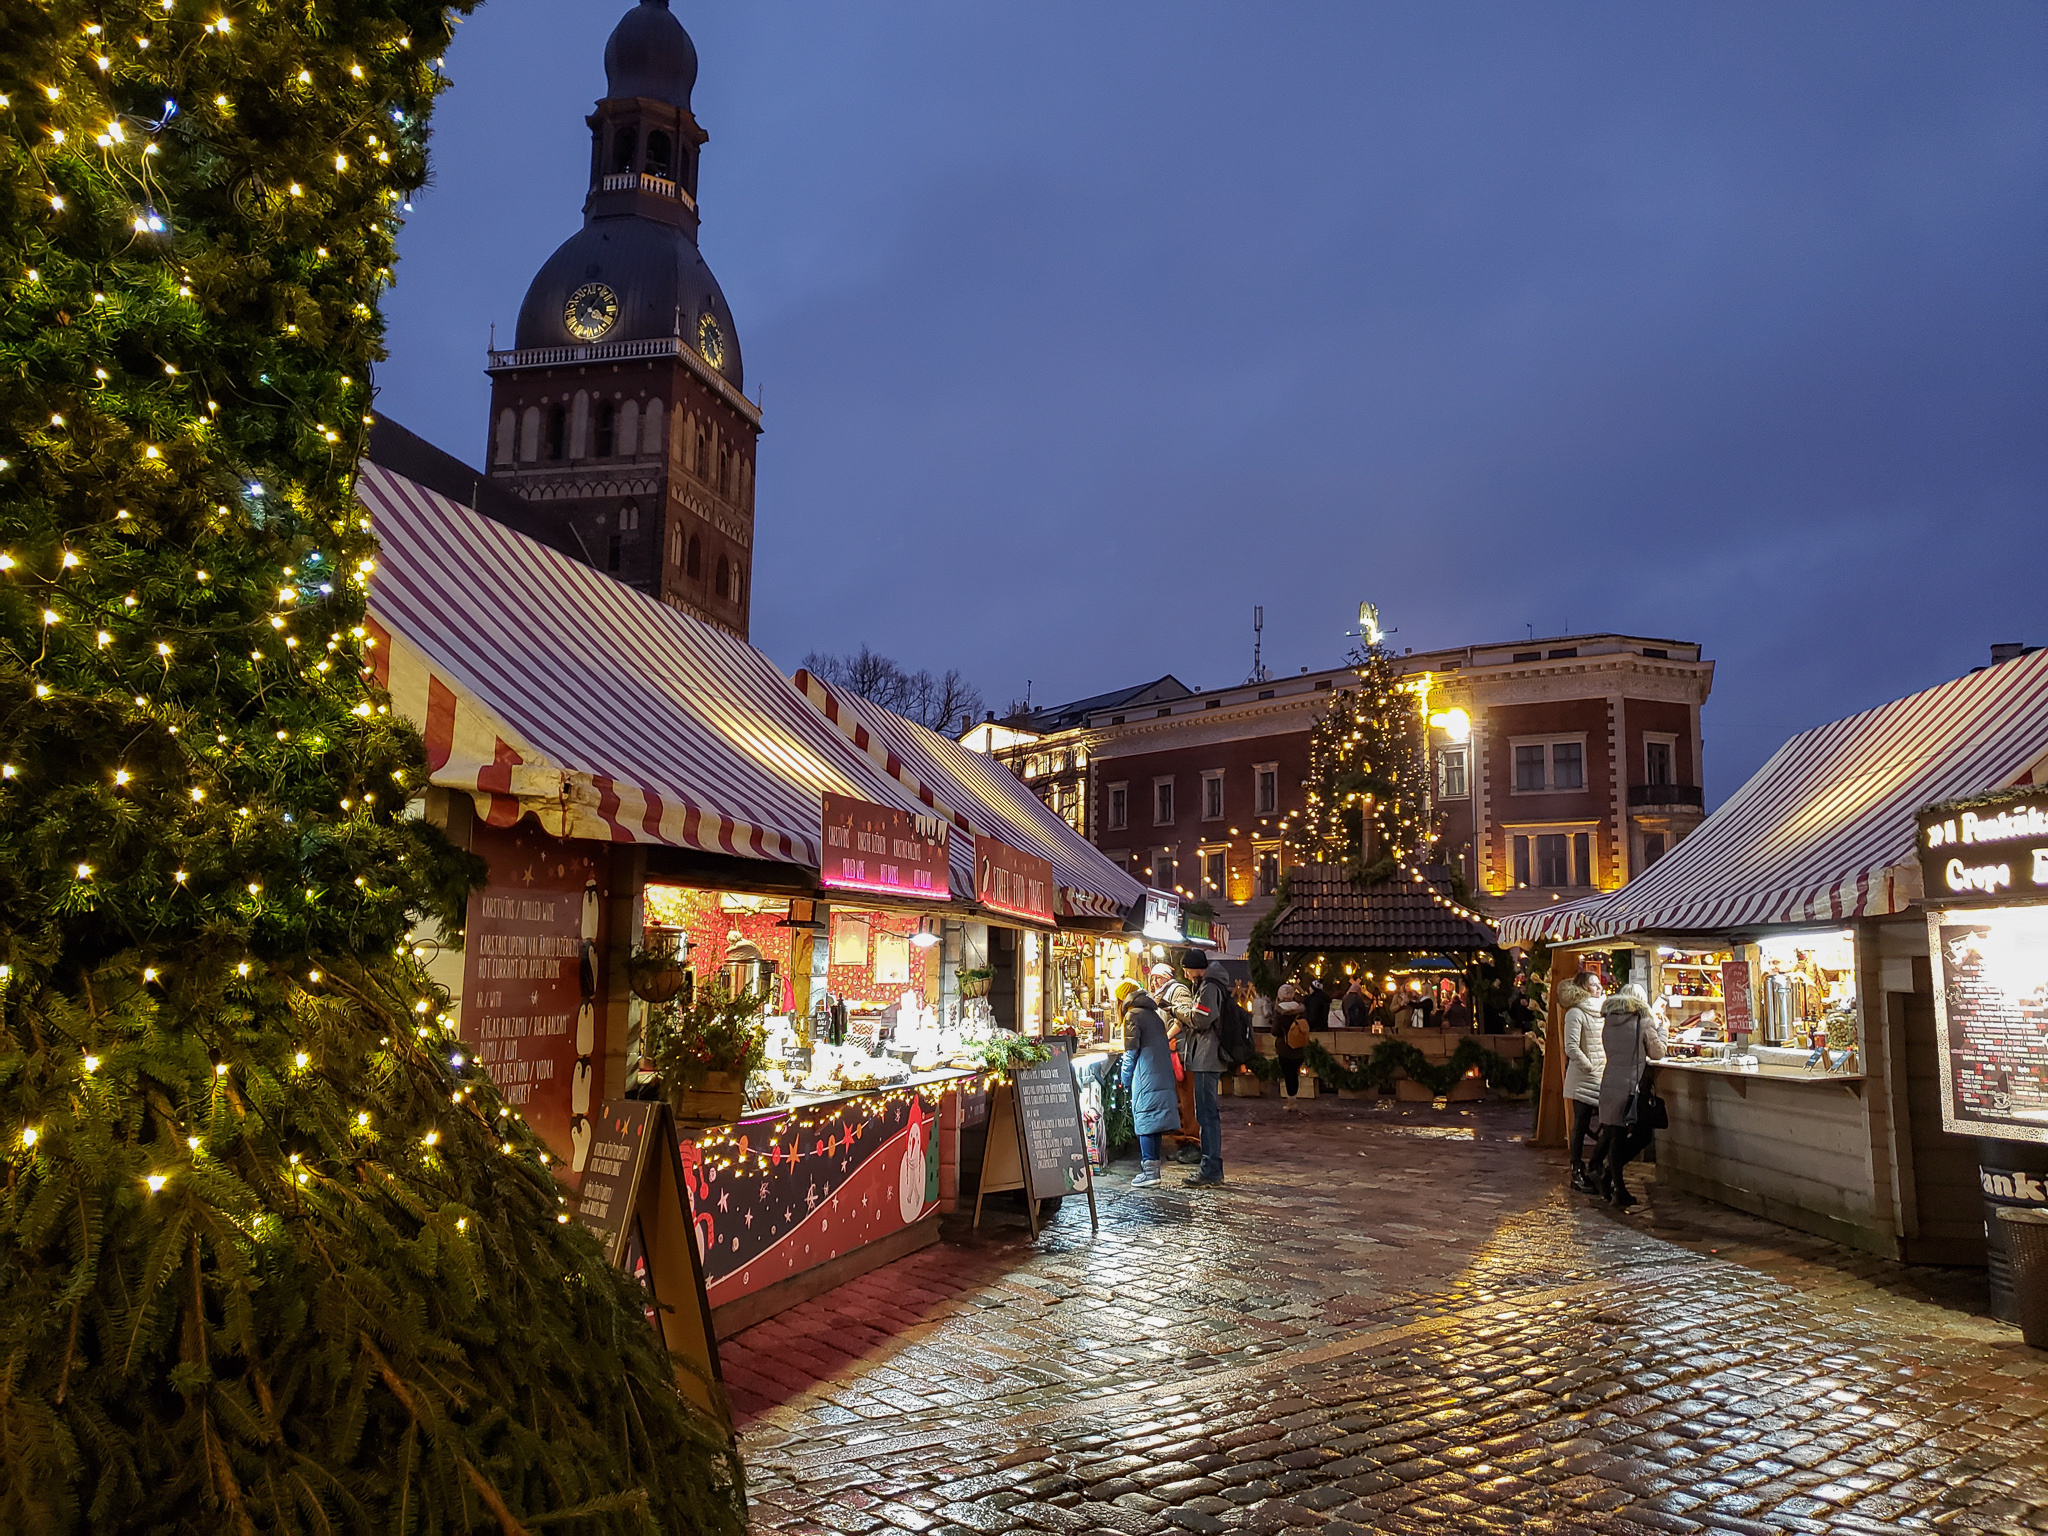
1369 626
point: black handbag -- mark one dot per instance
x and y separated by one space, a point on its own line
1645 1109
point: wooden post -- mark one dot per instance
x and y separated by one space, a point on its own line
1552 1118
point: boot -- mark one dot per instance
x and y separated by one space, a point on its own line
1149 1174
1617 1192
1582 1182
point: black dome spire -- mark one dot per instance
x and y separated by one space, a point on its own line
649 54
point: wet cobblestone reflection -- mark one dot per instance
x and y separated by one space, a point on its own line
1391 1319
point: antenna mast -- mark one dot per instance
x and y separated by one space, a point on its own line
1259 672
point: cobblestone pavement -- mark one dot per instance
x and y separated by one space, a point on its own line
1391 1319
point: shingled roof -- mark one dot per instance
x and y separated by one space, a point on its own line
1326 909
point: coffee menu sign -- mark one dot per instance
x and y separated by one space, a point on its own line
1010 880
529 985
1985 867
877 848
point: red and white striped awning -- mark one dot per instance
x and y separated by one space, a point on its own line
542 685
980 794
1821 832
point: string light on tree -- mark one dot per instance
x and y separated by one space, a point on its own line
187 398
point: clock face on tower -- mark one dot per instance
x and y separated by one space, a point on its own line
592 310
711 341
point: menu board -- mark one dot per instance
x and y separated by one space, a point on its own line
634 1199
1992 1016
529 1011
1736 1005
879 848
1010 880
1050 1114
617 1149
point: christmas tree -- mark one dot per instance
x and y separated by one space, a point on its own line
1367 802
276 1255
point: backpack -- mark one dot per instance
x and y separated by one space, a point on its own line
1233 1030
1297 1037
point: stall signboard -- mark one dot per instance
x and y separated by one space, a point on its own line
1048 1106
529 981
885 851
1991 1019
1736 1006
633 1202
1163 918
1993 852
1010 880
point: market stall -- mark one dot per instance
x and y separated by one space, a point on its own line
1425 966
668 823
1786 943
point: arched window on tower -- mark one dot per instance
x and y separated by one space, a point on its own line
651 438
557 431
626 431
693 563
624 143
658 153
739 585
607 421
724 582
508 435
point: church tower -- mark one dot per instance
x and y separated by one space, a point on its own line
621 406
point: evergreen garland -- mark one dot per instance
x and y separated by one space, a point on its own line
1367 767
1395 1059
276 1254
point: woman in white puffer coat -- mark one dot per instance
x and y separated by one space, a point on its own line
1585 1062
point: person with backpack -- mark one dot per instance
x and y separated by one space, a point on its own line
1217 1039
1290 1041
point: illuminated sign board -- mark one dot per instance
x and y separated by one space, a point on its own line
1990 853
1162 918
1010 880
1991 1019
884 851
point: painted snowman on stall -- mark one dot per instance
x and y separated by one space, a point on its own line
916 1174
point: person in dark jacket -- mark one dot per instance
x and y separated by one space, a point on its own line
1148 1078
1316 1006
1357 1008
1201 1044
1287 1018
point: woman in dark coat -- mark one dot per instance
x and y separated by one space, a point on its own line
1148 1078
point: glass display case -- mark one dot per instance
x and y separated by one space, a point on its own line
1784 1005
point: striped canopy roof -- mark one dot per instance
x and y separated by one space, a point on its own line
1818 834
542 685
981 795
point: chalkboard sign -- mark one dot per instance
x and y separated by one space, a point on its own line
617 1154
1050 1116
633 1199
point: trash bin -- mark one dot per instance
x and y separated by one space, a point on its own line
2014 1175
2026 1242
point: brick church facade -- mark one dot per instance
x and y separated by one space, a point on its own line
619 414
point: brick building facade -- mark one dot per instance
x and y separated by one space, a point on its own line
1580 766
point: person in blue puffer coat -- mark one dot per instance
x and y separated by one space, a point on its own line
1148 1079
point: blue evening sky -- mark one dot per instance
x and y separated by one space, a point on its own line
1083 328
